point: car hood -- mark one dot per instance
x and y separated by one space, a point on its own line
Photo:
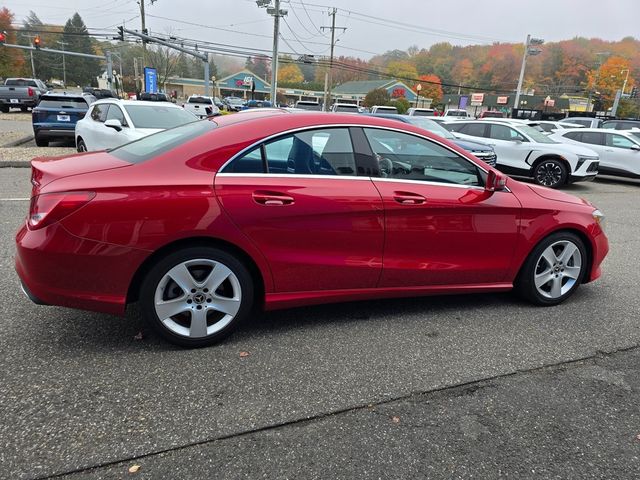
470 145
557 196
144 132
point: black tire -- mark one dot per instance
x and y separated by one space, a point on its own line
81 146
24 109
179 328
41 142
4 108
550 173
563 272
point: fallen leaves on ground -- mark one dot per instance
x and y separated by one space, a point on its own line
134 468
244 354
395 419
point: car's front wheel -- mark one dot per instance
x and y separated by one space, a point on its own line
554 269
196 296
81 146
550 173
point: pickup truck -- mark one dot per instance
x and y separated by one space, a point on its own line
21 93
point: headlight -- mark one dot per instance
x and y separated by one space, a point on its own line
581 160
598 217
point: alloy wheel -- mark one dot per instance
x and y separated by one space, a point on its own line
197 298
549 174
558 269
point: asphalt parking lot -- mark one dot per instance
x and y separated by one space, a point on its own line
479 386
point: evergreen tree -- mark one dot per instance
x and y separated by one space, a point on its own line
80 71
47 65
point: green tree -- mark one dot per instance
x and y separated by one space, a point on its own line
80 71
378 96
47 65
11 59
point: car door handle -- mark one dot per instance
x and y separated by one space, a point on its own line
407 198
272 198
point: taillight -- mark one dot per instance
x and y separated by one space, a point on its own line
49 208
31 92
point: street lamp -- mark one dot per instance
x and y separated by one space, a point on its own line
418 88
529 50
624 85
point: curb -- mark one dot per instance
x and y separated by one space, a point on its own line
20 141
15 163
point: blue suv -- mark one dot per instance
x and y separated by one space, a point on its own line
55 116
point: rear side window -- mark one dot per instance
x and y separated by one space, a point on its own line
473 129
63 102
594 138
313 152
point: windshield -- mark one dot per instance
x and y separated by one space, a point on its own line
205 100
161 142
62 102
158 116
456 113
430 126
235 101
535 134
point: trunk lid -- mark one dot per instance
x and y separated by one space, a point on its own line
45 170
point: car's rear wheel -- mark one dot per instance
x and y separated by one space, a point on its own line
81 146
41 142
554 269
550 173
4 108
196 296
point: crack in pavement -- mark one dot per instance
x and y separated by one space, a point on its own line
465 387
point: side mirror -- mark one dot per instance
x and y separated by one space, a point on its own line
113 123
635 147
496 182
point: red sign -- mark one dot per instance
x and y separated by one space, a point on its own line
398 92
502 100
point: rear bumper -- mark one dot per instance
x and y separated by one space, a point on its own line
58 268
54 131
19 103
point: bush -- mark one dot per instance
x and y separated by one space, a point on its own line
379 96
402 104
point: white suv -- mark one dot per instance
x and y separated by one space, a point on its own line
456 113
112 122
525 151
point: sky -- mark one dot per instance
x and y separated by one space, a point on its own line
372 26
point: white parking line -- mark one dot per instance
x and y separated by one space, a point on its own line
26 199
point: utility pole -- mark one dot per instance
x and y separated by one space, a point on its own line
144 30
327 75
33 66
528 51
276 12
595 83
64 64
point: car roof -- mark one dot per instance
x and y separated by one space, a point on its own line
119 101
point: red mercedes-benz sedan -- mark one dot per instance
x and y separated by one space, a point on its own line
275 209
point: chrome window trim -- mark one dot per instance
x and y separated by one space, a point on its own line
340 125
348 177
292 175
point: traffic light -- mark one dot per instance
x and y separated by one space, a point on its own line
121 34
634 92
36 42
3 38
